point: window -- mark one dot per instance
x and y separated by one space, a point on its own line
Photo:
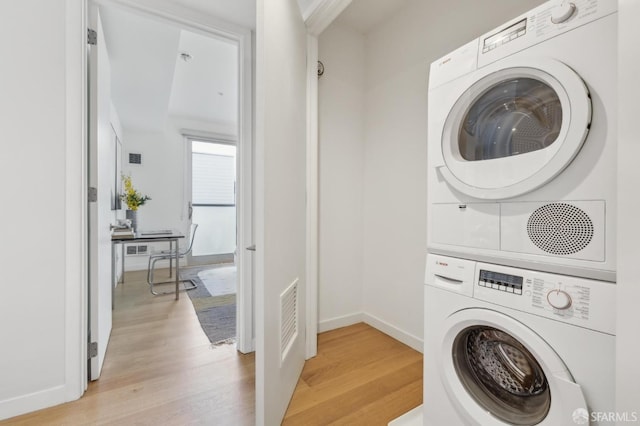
213 195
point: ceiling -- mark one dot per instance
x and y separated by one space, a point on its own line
363 15
205 88
151 82
238 12
305 4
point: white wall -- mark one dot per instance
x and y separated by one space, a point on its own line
43 278
398 54
341 168
628 343
160 176
373 133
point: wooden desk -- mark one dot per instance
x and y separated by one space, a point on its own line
146 237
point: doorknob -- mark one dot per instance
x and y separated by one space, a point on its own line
252 248
190 210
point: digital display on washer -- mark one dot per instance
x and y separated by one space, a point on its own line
506 35
499 281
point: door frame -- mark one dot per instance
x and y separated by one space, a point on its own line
214 27
317 17
76 215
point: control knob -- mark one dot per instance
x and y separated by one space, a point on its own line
562 12
559 299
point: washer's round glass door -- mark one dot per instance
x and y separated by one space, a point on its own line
497 371
515 128
501 375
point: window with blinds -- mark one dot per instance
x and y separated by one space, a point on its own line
213 181
213 176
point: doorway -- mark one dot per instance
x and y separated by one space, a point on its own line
153 149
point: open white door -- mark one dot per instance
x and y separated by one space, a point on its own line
100 214
280 211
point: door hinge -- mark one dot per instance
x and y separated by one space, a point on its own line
93 350
92 37
93 194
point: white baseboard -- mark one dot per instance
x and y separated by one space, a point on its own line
400 335
141 263
32 402
138 263
339 322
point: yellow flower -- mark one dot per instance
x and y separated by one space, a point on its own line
131 197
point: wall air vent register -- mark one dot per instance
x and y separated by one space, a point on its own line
135 158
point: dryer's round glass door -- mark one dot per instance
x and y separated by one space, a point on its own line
501 375
516 126
514 117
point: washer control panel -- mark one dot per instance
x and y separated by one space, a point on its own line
499 281
584 302
559 299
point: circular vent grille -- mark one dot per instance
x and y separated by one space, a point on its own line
560 228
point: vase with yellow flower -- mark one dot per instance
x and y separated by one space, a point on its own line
133 199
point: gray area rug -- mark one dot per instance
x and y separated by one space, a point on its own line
214 300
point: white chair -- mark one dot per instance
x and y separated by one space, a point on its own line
170 255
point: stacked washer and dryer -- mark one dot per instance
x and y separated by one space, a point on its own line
520 273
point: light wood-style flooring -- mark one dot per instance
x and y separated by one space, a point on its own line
361 376
160 369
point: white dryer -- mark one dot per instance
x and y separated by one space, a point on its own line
522 143
508 346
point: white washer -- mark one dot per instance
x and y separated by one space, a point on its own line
522 143
497 351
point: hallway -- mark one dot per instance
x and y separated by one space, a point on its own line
160 369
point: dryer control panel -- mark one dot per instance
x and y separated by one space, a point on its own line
546 21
